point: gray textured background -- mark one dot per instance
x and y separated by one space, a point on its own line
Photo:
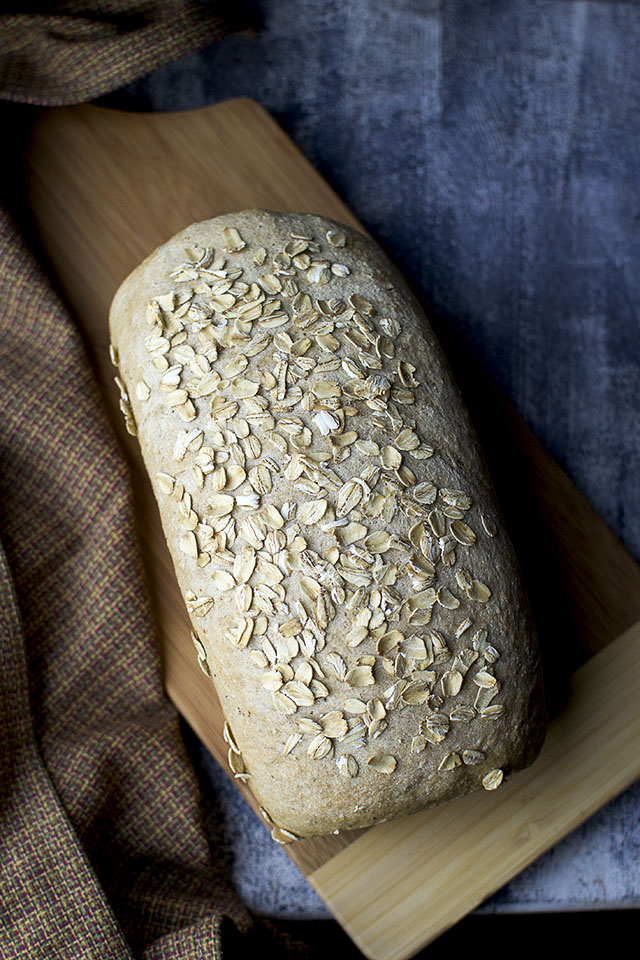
492 148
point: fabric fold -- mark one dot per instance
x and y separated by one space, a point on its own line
75 51
103 852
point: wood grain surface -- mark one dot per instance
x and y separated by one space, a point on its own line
438 865
105 189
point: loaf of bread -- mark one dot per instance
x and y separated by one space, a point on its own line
333 528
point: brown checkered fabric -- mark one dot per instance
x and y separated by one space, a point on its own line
61 53
102 850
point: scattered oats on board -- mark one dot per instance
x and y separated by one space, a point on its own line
339 548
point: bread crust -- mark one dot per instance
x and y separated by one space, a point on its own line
340 570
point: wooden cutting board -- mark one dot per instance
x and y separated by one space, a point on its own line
106 188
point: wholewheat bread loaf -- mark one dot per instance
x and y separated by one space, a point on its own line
353 594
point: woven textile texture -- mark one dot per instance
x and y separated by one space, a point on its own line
102 849
61 53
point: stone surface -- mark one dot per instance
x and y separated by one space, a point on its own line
491 148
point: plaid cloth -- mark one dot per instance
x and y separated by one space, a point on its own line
102 849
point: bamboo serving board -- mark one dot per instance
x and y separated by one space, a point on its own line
105 189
